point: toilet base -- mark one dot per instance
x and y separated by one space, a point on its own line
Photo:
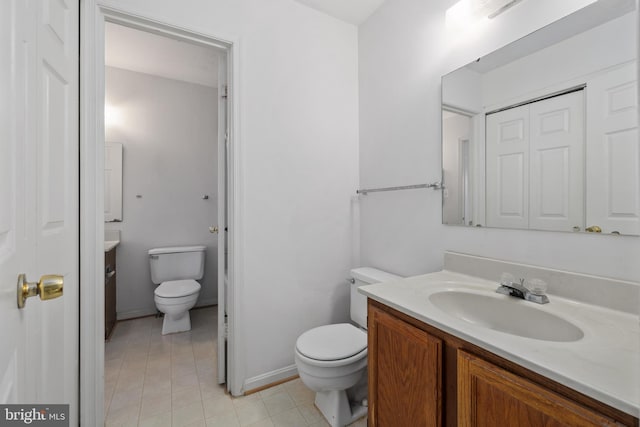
172 324
336 409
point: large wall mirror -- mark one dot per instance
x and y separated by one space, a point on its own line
543 133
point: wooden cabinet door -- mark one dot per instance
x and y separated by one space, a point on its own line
109 292
109 307
489 396
405 378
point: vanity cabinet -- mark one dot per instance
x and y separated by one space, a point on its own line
109 292
421 376
405 382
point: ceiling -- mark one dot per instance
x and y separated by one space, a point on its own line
353 11
150 53
584 19
162 56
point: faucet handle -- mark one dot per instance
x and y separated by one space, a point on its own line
507 279
537 286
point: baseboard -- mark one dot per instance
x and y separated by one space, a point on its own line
132 314
144 312
207 302
269 378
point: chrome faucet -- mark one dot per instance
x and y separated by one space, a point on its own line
519 290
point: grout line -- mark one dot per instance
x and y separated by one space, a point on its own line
144 333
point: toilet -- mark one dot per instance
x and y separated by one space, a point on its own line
332 359
175 270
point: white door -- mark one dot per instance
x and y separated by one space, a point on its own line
507 147
557 163
222 218
39 199
613 157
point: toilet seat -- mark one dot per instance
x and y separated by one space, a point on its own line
177 288
342 363
332 344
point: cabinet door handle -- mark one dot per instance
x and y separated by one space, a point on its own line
109 275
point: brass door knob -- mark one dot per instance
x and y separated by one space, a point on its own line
50 286
213 229
594 229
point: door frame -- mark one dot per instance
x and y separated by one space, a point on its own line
93 16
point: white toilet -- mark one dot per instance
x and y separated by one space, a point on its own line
176 270
332 359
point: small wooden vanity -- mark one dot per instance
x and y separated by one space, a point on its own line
109 291
420 375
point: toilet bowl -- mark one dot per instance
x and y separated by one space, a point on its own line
175 299
175 270
332 359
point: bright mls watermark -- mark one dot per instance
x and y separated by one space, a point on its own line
34 415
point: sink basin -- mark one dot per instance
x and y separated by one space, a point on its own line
110 244
507 315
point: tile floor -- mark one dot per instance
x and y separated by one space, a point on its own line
156 381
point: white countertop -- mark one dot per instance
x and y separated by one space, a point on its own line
110 244
604 364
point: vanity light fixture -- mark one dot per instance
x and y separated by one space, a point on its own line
467 12
112 116
492 8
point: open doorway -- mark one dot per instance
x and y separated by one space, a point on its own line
161 130
165 185
93 19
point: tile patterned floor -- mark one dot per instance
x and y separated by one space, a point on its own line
156 381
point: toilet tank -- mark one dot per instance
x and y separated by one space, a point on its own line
176 263
365 276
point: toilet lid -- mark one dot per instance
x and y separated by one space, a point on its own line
177 288
332 342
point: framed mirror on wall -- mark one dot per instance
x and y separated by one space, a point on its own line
112 182
542 134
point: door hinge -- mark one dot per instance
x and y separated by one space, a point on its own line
226 327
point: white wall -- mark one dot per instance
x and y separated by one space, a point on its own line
169 134
299 140
543 71
546 70
400 144
464 90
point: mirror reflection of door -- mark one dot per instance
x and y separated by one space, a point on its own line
456 137
535 158
613 152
